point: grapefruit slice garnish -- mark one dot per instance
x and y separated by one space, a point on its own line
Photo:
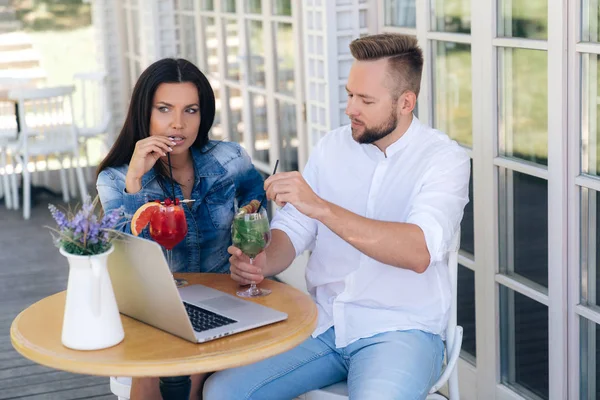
142 217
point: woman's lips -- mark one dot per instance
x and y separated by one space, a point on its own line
177 139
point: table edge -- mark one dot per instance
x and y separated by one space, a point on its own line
192 365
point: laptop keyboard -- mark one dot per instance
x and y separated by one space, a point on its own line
203 320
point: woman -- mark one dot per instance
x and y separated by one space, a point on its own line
171 111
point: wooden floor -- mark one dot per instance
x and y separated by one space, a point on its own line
30 269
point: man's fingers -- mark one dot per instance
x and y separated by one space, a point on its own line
250 277
280 188
281 199
234 251
239 279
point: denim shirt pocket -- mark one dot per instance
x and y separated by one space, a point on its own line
219 201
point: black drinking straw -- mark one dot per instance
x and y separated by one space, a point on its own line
171 173
265 196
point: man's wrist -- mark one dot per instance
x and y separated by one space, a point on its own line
324 211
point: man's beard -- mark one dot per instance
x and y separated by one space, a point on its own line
371 135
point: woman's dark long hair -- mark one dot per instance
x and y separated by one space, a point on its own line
137 123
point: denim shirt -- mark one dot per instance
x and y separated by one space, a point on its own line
223 174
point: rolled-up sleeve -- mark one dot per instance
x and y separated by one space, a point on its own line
438 207
301 229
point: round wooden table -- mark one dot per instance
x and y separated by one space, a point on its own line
147 351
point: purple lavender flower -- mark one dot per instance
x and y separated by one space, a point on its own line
109 221
59 217
78 223
88 207
84 233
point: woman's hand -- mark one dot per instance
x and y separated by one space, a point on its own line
147 151
242 271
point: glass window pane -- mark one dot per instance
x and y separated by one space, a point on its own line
400 13
467 225
137 71
282 7
184 5
523 100
524 343
590 247
135 31
254 6
524 226
590 115
590 360
210 34
236 125
466 308
286 118
257 53
216 132
258 112
232 52
452 91
452 16
207 5
590 24
524 19
284 53
188 37
228 6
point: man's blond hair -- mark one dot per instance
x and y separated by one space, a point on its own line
405 59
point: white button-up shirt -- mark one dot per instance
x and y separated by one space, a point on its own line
422 179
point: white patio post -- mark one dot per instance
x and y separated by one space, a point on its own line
329 27
109 32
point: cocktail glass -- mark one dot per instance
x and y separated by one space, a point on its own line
251 234
168 227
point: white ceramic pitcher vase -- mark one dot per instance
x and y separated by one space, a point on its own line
91 319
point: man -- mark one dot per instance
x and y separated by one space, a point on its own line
378 204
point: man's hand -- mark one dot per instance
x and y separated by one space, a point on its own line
290 187
242 271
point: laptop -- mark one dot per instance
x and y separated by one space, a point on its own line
145 290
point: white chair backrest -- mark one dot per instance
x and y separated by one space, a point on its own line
91 102
46 114
8 120
453 272
14 83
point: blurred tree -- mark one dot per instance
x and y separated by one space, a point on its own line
42 15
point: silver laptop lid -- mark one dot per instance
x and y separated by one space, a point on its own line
144 286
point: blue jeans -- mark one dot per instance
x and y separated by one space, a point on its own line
392 365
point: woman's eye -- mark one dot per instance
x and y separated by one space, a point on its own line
192 110
368 102
349 96
163 109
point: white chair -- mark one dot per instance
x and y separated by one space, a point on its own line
8 131
121 387
93 117
8 135
47 128
454 334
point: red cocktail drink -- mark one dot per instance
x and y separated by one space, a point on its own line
168 226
